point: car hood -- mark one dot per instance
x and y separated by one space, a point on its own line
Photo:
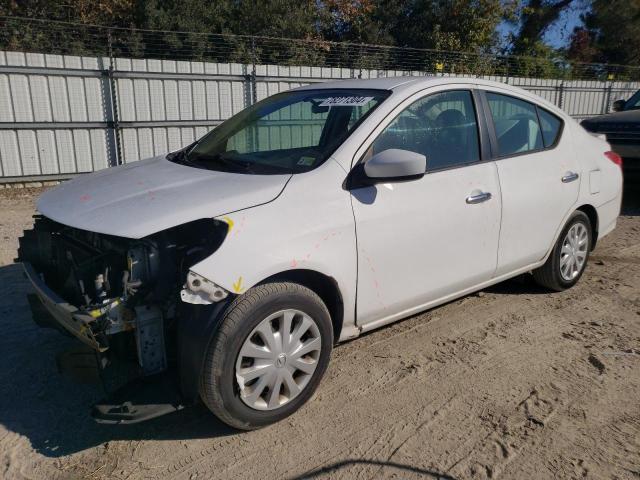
149 196
625 120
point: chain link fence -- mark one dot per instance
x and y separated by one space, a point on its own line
77 98
36 35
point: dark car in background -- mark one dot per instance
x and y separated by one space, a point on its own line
622 129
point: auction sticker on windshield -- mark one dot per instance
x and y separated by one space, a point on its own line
350 101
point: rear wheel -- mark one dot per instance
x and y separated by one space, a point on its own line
268 356
567 261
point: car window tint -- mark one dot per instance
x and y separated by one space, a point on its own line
634 102
441 126
293 131
279 130
550 127
516 124
357 113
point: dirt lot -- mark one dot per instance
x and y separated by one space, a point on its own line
513 382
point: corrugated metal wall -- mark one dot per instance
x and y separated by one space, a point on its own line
58 115
164 105
38 110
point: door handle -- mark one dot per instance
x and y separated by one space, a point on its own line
570 177
478 198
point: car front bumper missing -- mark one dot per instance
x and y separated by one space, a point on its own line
62 314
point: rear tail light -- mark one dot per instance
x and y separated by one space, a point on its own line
614 157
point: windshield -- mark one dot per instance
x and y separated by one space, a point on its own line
290 132
634 102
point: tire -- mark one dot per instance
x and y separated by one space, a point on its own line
245 328
551 275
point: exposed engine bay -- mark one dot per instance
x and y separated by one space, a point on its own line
117 293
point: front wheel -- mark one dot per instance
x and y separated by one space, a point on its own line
268 355
567 261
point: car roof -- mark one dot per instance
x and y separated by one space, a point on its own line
401 83
386 83
411 84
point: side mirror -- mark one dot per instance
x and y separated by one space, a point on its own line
618 105
394 165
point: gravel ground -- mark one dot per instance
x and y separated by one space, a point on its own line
514 382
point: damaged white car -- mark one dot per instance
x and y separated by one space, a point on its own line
230 268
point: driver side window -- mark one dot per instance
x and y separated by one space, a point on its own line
441 126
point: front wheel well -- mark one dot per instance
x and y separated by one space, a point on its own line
591 212
324 286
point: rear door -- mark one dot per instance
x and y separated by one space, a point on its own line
539 177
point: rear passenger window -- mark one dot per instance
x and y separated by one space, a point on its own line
441 126
516 124
550 127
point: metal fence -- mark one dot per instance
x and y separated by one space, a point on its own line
64 114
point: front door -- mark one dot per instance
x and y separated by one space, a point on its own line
420 241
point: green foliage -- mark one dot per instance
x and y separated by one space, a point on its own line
611 33
455 25
610 39
534 19
539 63
467 25
441 36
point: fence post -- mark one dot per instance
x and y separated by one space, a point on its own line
253 79
607 99
560 94
251 92
112 104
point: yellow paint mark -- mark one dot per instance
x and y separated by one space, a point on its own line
98 312
237 286
229 223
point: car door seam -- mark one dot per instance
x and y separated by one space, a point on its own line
497 170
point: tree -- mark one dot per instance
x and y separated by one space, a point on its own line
110 12
461 25
611 33
581 46
46 36
279 18
534 20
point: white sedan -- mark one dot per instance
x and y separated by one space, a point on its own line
309 218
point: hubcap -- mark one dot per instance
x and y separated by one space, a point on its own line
573 254
277 359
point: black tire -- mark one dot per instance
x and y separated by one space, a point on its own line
219 389
549 275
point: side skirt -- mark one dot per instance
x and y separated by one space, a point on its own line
435 303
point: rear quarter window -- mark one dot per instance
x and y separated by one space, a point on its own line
550 126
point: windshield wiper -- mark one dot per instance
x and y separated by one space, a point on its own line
182 156
178 157
221 159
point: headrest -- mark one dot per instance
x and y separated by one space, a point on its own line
450 118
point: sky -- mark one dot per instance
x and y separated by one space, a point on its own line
560 32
